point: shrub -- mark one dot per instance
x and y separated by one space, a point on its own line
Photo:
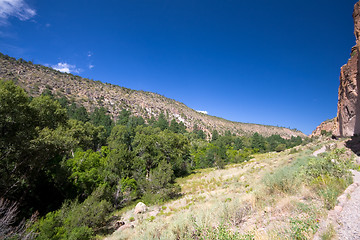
158 187
281 147
219 233
284 179
74 220
302 229
329 176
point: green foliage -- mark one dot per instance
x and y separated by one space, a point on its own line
162 123
49 113
329 234
123 117
74 220
158 187
215 136
198 133
86 135
328 175
177 127
282 180
99 117
333 164
326 133
31 144
281 147
175 150
87 169
220 232
53 152
301 229
238 156
78 113
258 142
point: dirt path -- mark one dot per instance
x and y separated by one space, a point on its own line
321 150
345 217
349 216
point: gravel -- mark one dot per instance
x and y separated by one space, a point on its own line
349 217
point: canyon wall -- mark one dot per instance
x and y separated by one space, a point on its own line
349 103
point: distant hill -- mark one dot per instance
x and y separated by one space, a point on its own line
91 94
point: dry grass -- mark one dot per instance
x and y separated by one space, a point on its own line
236 199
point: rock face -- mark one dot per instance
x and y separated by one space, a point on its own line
330 126
349 102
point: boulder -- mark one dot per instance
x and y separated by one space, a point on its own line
140 208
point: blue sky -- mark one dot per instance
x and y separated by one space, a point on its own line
268 62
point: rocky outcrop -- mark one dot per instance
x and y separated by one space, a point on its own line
329 126
349 102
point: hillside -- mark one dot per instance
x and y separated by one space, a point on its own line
91 94
285 195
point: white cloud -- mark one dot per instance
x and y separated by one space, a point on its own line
91 66
15 8
65 67
204 112
89 54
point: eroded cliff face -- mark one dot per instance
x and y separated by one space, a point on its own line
330 126
349 102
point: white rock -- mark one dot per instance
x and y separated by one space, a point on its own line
338 208
140 208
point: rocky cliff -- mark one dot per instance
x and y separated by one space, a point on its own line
329 126
349 102
91 94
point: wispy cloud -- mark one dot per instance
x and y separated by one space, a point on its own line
15 8
200 111
89 58
65 67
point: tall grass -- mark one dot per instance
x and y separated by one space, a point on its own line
327 175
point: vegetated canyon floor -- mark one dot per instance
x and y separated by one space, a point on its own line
268 197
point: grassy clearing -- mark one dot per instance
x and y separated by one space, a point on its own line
273 196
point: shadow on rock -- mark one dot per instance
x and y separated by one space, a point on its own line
354 144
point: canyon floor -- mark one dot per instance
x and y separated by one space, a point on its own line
272 196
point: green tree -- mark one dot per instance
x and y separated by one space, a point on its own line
49 113
281 147
100 118
174 126
78 113
175 150
238 143
162 123
258 142
146 148
215 135
123 117
87 170
32 144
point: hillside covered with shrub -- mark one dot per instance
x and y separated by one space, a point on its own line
67 169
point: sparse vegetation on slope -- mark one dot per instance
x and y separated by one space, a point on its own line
74 168
273 196
36 79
